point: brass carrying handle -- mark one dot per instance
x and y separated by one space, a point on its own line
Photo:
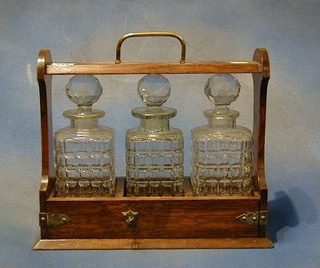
148 34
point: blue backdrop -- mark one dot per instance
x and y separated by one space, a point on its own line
214 30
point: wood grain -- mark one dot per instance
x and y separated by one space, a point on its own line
260 83
159 217
152 68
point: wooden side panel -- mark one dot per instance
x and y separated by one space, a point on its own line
260 82
44 82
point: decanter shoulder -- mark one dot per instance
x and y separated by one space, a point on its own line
238 131
101 132
139 133
243 129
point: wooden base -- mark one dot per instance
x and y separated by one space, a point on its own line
187 222
205 243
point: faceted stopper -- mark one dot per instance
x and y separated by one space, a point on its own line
154 89
222 89
84 90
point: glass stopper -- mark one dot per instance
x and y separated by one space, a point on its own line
154 89
222 89
84 90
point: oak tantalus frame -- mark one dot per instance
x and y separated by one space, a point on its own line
162 222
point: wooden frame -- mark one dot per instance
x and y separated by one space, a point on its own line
186 222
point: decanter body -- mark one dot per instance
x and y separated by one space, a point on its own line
84 151
154 151
221 150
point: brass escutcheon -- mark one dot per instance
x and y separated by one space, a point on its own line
130 217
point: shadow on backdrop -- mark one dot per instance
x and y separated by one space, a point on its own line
287 210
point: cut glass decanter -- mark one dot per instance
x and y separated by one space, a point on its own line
84 151
221 150
154 151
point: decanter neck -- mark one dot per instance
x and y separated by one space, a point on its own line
222 118
222 122
84 118
84 123
155 124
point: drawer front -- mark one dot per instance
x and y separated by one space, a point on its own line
152 218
